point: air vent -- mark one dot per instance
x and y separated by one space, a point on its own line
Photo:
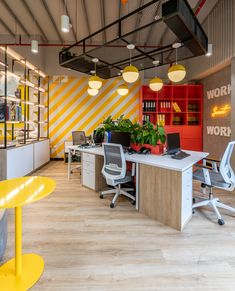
180 18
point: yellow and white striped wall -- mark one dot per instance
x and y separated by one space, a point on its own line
71 108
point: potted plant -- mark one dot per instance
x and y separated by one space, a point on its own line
149 136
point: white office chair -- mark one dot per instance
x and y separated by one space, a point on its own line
78 138
221 177
114 171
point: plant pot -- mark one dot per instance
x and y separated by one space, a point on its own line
155 150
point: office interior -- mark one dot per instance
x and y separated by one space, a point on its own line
117 133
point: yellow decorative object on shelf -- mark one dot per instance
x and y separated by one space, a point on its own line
23 271
176 107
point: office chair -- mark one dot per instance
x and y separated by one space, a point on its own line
78 138
114 171
218 176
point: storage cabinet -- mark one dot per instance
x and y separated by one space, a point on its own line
19 161
22 160
41 153
91 172
178 108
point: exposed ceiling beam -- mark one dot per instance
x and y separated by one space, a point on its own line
15 17
102 12
70 19
52 19
151 27
86 16
35 20
138 20
7 27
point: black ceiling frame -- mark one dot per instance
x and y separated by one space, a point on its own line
87 52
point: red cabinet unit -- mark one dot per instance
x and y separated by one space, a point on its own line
178 108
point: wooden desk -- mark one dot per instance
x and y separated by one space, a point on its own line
163 185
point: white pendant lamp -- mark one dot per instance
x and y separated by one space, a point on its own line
95 82
123 90
34 46
65 25
130 73
92 92
156 83
177 72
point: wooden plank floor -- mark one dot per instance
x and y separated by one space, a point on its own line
88 246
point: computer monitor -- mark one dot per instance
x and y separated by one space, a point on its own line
98 138
120 137
173 143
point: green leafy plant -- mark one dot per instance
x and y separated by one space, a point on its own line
147 133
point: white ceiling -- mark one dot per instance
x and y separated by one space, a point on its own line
30 18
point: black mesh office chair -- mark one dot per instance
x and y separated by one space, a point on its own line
115 173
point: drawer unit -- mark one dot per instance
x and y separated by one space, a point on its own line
88 170
88 157
186 210
88 166
88 179
91 172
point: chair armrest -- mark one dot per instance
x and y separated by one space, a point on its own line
133 165
203 166
214 164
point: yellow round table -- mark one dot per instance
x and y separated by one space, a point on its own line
23 271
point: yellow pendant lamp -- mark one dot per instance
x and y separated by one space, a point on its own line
177 72
156 83
92 92
130 73
123 90
95 82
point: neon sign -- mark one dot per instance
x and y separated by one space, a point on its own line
220 111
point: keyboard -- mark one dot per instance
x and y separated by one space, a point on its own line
180 155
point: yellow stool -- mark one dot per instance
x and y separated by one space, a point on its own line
23 271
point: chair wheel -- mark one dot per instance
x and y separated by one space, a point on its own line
194 200
133 202
112 205
221 222
193 211
101 196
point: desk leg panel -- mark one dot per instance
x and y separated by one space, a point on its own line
160 193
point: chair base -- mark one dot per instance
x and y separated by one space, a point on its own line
214 203
117 191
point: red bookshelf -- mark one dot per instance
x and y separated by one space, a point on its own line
178 108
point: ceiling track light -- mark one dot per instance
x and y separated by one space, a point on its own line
34 46
156 83
130 73
209 50
95 82
65 25
177 72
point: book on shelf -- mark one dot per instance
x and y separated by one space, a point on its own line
149 106
165 106
146 118
176 107
161 119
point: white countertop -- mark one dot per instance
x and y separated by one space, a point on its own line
154 160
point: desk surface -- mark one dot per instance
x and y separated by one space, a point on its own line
154 160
